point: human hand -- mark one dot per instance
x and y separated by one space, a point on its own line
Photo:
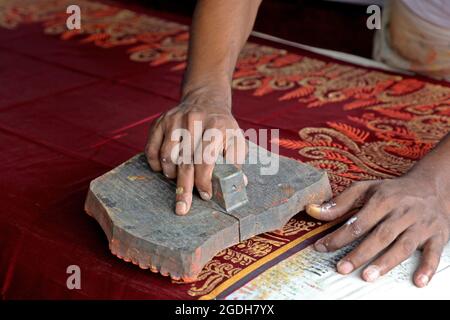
398 216
164 153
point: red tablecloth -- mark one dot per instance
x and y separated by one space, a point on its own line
75 104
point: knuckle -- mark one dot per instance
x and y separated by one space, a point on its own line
187 167
167 159
399 214
381 194
194 115
165 153
430 223
359 188
384 233
409 201
408 246
387 262
169 122
216 122
331 244
356 228
357 257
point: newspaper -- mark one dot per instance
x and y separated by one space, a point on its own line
312 275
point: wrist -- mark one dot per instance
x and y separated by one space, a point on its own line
214 93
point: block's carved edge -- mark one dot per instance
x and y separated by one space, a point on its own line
157 258
192 263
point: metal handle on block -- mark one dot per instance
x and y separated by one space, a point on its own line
228 186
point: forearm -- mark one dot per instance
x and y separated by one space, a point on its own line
219 31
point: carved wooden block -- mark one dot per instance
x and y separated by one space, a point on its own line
135 208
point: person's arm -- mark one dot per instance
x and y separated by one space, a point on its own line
398 216
218 33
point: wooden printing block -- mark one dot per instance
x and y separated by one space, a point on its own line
135 208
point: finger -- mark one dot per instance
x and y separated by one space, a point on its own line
211 147
431 256
357 226
378 240
235 151
185 184
169 150
152 149
401 250
193 123
351 198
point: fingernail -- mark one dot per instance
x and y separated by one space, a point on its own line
245 179
180 207
422 280
372 273
344 267
320 247
204 195
313 210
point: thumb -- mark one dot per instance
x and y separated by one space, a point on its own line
351 198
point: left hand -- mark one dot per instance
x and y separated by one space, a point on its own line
398 216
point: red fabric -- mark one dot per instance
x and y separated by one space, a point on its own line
74 106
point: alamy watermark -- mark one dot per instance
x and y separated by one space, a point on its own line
374 20
198 146
74 279
73 22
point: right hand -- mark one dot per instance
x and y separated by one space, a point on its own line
212 113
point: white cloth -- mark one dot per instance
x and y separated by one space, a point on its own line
436 12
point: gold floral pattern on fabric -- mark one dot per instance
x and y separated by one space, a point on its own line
386 148
231 261
149 39
295 226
